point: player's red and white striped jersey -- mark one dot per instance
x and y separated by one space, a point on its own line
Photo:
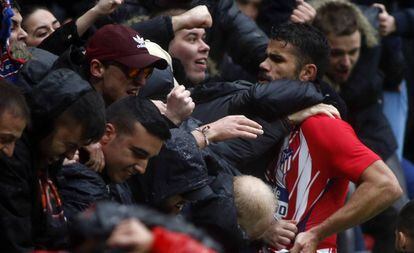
313 169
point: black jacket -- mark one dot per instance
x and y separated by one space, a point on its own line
405 21
19 206
267 104
27 224
61 39
363 96
80 187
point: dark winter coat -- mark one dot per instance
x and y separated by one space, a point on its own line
80 187
27 225
267 104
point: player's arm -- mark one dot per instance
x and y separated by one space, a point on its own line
377 189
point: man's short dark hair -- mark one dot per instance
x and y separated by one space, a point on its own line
310 44
405 219
337 18
124 113
12 100
89 112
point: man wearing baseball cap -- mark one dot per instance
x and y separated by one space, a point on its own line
118 62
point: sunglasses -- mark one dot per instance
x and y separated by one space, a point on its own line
132 73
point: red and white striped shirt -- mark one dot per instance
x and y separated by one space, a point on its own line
313 170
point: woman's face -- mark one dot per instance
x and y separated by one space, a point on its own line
39 25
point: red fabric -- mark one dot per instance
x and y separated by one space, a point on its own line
313 171
171 242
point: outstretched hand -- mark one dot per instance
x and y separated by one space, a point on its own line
234 126
303 13
229 127
106 7
329 110
387 23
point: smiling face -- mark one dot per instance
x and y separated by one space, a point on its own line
39 25
280 62
62 142
116 81
189 47
345 52
128 154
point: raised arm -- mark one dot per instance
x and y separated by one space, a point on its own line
276 99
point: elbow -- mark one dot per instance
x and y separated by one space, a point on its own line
392 189
395 192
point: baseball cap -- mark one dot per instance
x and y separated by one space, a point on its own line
124 45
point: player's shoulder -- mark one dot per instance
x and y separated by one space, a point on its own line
320 121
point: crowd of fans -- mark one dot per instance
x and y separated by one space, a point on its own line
206 126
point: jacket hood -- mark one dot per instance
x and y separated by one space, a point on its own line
367 30
179 169
34 70
53 95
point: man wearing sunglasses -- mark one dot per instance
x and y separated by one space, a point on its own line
118 62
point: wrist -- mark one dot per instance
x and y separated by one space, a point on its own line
96 11
174 118
176 22
205 132
316 234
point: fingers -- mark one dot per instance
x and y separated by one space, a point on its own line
281 233
245 121
180 105
96 161
162 107
176 90
380 6
245 128
197 17
328 110
96 157
295 249
303 13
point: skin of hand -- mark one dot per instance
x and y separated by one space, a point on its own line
303 13
197 17
377 189
75 159
106 7
387 23
103 7
229 127
96 157
179 104
280 233
131 235
305 242
234 126
329 110
162 107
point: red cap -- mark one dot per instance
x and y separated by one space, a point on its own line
124 45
